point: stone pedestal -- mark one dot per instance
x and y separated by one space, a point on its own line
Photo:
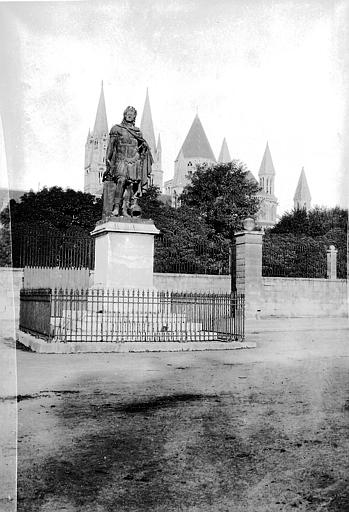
124 253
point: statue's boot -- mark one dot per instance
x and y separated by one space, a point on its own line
124 210
116 211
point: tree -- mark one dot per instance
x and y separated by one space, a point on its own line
186 244
53 208
46 224
222 196
315 222
313 232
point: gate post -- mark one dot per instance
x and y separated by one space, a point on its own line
332 262
249 268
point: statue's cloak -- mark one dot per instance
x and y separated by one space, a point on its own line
144 152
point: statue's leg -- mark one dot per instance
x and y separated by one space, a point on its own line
118 194
108 198
128 195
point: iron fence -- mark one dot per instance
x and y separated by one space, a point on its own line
343 262
287 257
171 254
175 255
133 315
60 250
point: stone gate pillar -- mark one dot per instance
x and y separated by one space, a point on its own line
332 262
249 268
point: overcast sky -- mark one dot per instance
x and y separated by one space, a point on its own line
255 70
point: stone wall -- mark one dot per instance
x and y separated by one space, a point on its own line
10 284
296 297
188 282
192 282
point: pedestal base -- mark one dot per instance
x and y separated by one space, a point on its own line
124 253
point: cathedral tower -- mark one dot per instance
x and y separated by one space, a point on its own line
302 197
266 174
147 130
95 151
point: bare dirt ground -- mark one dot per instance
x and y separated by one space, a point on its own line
250 430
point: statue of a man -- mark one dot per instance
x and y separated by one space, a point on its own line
128 168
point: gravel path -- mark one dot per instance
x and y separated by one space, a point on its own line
251 430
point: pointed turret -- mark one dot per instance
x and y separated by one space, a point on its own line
224 155
95 150
147 127
101 123
302 197
267 213
196 143
267 166
157 172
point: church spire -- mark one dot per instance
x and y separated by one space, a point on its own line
267 172
302 197
267 166
147 127
101 123
224 155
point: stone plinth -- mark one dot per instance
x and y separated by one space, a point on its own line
124 253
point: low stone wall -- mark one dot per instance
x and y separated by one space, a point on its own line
10 285
296 297
192 283
188 282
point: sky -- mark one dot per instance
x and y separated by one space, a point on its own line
255 71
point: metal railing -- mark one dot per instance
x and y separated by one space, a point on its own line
132 315
53 250
191 257
292 258
171 254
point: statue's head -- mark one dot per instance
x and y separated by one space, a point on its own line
130 114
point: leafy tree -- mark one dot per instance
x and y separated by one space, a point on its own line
294 255
222 195
53 208
315 222
186 243
312 232
295 222
196 236
42 222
